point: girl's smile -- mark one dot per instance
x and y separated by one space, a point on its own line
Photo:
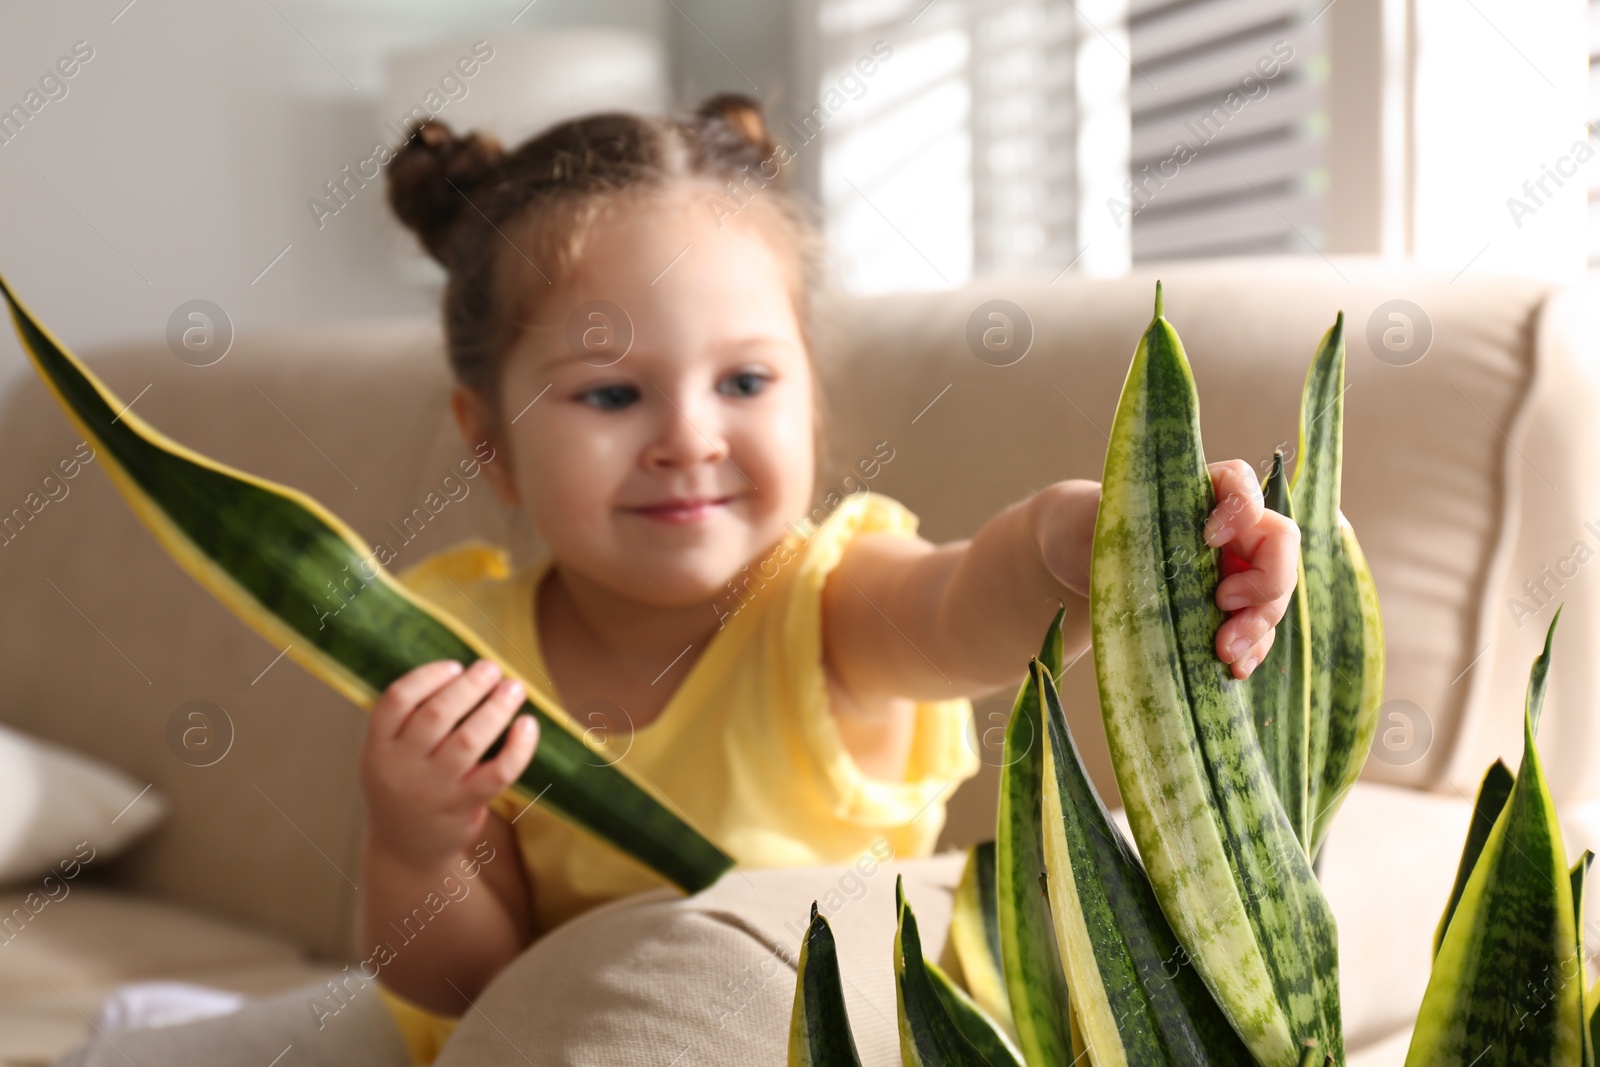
682 510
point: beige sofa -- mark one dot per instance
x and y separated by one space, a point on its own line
1467 474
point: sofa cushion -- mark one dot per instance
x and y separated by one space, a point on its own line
60 956
1387 869
60 810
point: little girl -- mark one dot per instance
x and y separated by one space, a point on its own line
633 344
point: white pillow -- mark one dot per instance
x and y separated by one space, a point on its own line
52 800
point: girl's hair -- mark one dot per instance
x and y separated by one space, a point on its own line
508 226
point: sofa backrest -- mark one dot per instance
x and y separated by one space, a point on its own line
1465 473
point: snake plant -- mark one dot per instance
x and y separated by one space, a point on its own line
1509 974
1213 944
819 1024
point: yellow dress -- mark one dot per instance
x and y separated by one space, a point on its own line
746 747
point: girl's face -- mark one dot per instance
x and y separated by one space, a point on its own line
659 472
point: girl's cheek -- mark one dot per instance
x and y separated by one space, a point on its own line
567 459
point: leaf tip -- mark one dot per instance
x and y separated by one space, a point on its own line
1161 310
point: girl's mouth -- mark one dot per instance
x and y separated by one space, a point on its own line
683 510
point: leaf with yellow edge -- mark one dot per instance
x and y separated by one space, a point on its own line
1507 982
269 553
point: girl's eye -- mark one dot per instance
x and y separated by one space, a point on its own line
610 397
745 383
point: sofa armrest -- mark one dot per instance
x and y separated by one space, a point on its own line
658 978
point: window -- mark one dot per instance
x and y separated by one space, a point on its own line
894 101
1004 136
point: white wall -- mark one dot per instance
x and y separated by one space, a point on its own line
192 140
1500 92
1458 134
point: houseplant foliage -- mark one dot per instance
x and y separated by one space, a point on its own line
1211 943
1346 629
267 552
819 1027
1280 687
1508 974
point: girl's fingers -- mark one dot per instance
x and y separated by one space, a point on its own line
1239 635
435 717
1276 535
1261 585
466 745
1272 551
389 711
487 780
1239 505
1250 662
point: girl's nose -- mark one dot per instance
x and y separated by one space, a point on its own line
686 435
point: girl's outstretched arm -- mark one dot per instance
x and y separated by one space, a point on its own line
907 618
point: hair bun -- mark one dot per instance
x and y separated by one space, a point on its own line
431 175
742 115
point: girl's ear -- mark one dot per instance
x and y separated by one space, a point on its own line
480 428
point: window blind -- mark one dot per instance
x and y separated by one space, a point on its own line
1229 123
962 154
1592 114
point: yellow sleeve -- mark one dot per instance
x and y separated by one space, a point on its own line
423 1031
944 752
469 561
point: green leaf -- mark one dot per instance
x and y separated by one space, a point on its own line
1221 853
1139 1000
1358 671
980 1029
1035 984
1507 983
1052 653
1342 602
1280 686
269 554
1591 1007
1492 794
819 1025
1313 1057
975 935
928 1036
1580 873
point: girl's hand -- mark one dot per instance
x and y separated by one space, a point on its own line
1260 554
1260 561
426 793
